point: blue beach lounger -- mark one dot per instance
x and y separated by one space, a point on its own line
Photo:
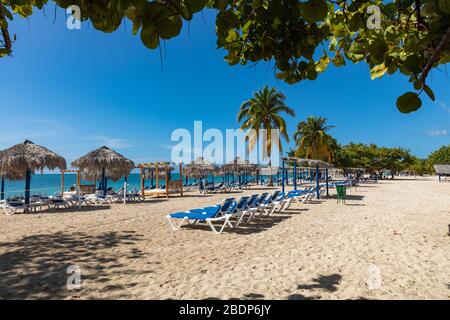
209 215
251 203
239 207
277 204
268 200
251 210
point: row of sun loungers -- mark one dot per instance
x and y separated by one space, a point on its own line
11 206
66 201
245 206
72 199
226 188
232 212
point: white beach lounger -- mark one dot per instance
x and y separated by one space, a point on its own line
11 207
219 213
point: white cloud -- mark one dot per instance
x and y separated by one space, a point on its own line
115 143
444 105
436 133
167 146
15 130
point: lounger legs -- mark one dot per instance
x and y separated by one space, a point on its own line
226 222
173 225
226 219
9 211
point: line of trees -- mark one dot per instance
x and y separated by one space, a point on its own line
374 158
313 140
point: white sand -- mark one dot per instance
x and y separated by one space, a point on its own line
389 242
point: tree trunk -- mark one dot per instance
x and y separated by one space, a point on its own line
270 176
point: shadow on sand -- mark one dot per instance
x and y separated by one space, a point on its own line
74 209
36 266
255 226
349 197
321 283
328 283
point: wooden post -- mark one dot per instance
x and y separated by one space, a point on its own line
142 182
167 181
62 182
157 176
152 177
125 191
78 181
181 178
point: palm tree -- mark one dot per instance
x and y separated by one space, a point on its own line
263 112
313 141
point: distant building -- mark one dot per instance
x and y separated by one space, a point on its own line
442 170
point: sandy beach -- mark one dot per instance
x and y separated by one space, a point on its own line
390 241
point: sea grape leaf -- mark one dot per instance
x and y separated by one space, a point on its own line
378 71
429 92
314 10
409 102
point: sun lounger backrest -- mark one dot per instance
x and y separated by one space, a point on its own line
262 198
274 196
267 199
226 204
242 202
231 208
280 196
252 201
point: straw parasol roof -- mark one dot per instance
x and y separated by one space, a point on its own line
269 171
201 162
309 162
91 175
199 167
15 161
9 176
239 165
442 169
115 164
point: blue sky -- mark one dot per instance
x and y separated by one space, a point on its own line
74 91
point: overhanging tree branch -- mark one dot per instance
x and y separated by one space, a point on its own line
4 31
436 55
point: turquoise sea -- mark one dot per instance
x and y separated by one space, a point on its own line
49 184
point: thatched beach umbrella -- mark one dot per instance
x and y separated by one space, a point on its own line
199 168
21 160
105 162
310 163
240 166
9 176
4 176
94 175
